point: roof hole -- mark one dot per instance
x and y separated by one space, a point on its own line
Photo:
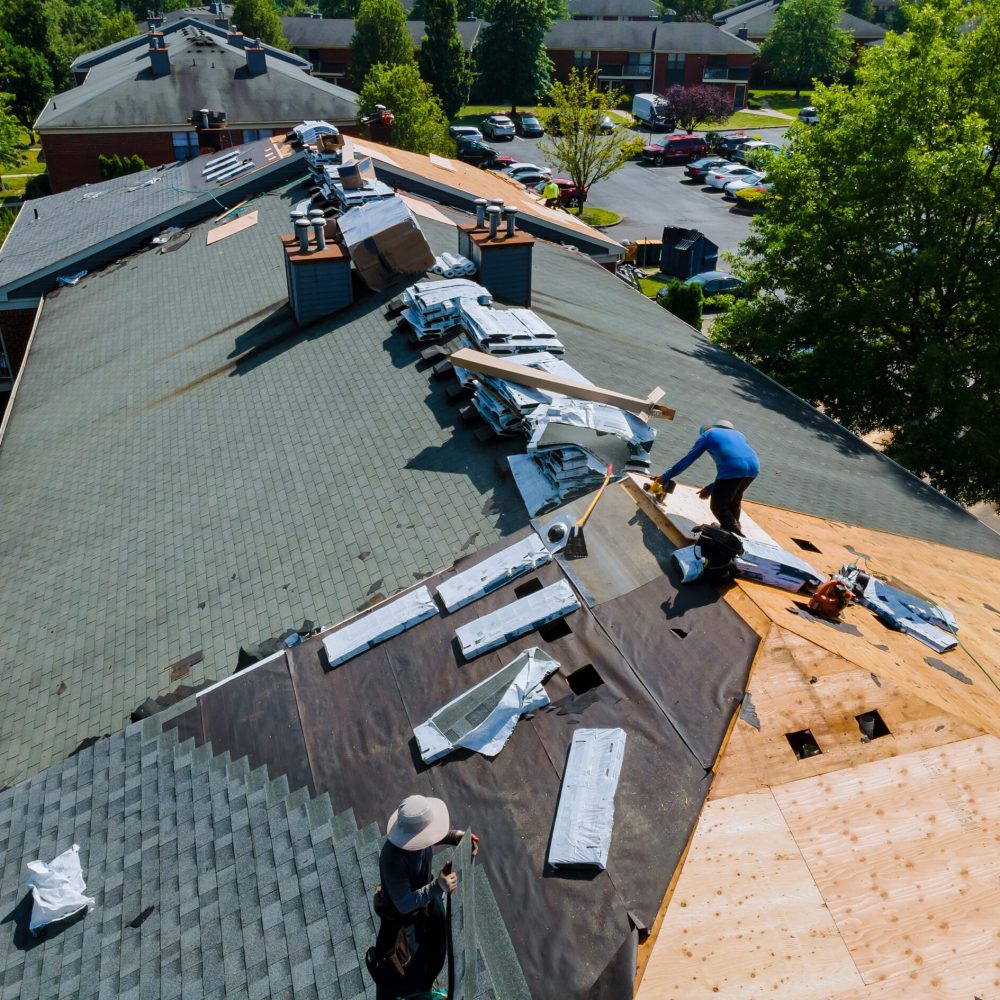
585 679
680 633
872 726
528 587
804 543
803 744
554 630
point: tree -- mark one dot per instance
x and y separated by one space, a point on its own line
420 124
805 41
511 56
26 77
684 301
118 166
443 63
259 19
116 28
11 136
691 10
699 105
876 261
380 37
581 150
339 8
864 9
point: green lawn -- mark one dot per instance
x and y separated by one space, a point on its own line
652 283
473 114
746 120
598 217
783 100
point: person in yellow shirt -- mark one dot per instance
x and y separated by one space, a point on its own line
551 194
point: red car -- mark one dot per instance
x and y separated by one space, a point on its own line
675 149
569 193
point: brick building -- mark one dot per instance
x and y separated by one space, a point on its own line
639 56
145 96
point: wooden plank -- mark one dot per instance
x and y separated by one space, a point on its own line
905 854
797 685
231 228
746 919
477 361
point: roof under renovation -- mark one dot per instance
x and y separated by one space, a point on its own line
187 472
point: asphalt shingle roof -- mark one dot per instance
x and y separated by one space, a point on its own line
759 20
254 892
683 36
122 91
337 32
184 470
627 36
614 8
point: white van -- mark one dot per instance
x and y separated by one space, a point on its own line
653 113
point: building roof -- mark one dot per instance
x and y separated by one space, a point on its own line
626 36
336 33
209 879
684 36
758 19
614 8
205 71
63 233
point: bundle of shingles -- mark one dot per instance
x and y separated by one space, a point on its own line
506 332
434 307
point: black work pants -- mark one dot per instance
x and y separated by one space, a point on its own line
727 502
428 934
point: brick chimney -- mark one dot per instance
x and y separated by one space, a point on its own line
501 253
154 21
159 57
235 38
256 61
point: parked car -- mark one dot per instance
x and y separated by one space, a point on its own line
606 125
809 115
459 132
675 149
726 143
479 154
527 125
759 183
497 126
569 193
718 283
721 176
516 169
531 178
697 170
749 150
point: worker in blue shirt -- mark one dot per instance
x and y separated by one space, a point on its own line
736 467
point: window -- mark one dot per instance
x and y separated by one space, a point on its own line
675 68
185 145
581 57
251 134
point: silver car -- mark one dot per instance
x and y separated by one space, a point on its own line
498 127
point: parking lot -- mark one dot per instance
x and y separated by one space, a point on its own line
649 198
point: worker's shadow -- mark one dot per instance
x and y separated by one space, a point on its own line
20 917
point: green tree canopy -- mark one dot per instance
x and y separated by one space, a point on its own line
118 166
380 37
511 57
339 8
11 136
259 19
806 41
443 63
26 77
420 124
580 150
864 9
876 259
692 10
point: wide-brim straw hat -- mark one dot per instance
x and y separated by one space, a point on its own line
419 822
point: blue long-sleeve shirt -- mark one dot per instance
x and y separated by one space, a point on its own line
733 456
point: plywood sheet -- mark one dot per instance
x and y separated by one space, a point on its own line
797 685
231 228
906 854
746 919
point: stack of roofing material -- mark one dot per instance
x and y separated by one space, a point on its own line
433 307
549 477
308 131
452 265
484 717
387 621
514 619
931 624
772 565
581 835
506 332
345 197
485 577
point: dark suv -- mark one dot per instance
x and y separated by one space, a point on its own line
675 149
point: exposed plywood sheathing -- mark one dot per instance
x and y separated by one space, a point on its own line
875 882
797 685
746 919
965 582
231 228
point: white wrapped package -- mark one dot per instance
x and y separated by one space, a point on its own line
688 560
57 889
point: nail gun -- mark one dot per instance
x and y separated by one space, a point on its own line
659 490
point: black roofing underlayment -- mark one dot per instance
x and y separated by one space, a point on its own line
574 934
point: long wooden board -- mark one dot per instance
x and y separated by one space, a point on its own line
486 364
746 919
231 228
906 853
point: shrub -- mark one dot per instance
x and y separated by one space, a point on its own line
119 166
752 198
38 187
684 301
718 303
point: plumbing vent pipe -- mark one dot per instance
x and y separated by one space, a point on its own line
318 221
494 213
510 214
302 232
498 202
481 204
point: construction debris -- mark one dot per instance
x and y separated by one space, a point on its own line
521 616
483 718
494 572
931 624
767 563
432 308
581 835
57 889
